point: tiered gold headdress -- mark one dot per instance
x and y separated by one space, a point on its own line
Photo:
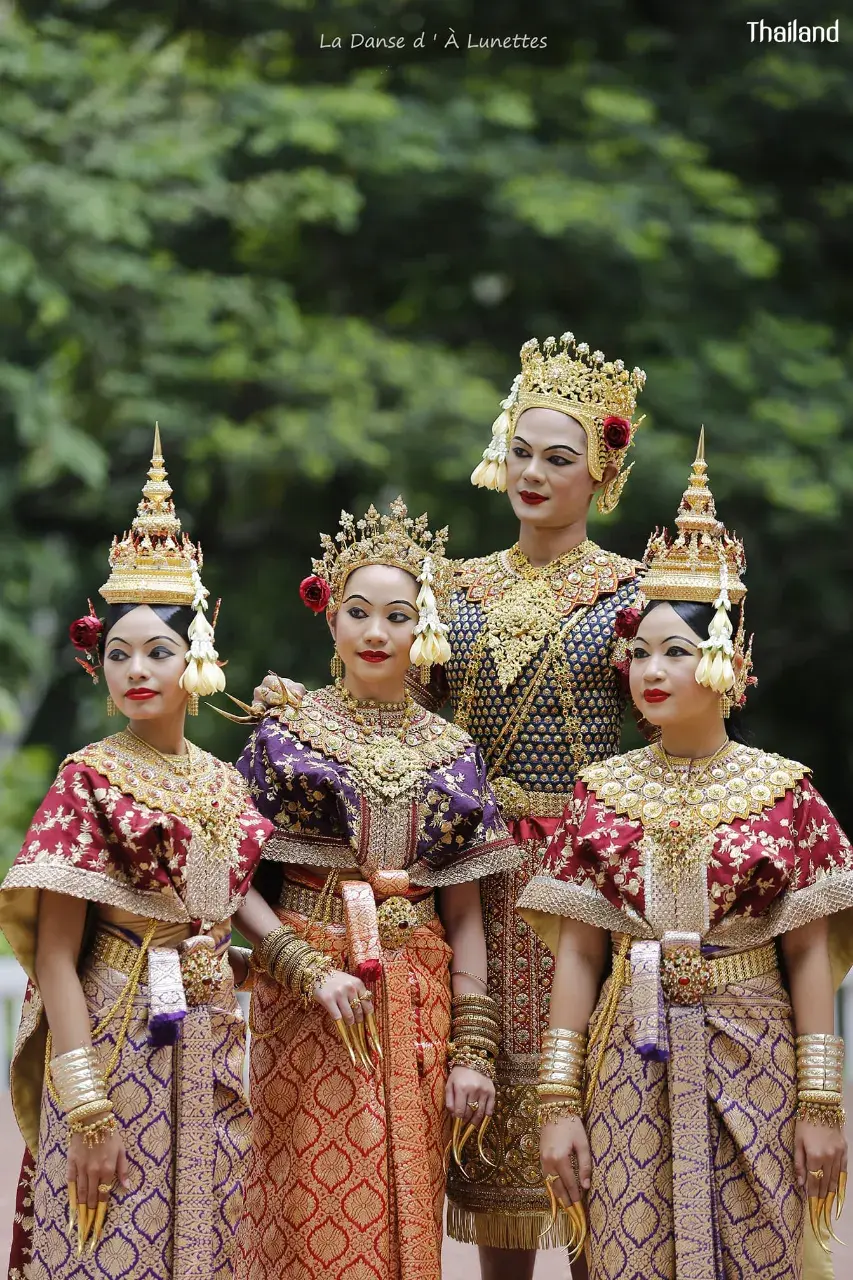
399 540
155 563
704 562
601 394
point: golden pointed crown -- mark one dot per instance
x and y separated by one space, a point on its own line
154 562
704 561
566 376
395 539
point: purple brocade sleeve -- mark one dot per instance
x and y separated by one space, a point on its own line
298 789
463 836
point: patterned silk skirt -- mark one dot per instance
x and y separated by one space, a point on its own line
185 1125
507 1207
695 1157
345 1176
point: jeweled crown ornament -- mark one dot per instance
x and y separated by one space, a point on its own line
601 394
156 563
395 539
704 563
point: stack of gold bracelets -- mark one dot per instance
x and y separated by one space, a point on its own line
561 1071
474 1034
820 1080
292 962
83 1094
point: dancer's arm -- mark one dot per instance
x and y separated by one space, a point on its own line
806 953
60 933
469 1094
581 954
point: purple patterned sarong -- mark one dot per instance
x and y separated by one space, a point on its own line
693 1173
185 1124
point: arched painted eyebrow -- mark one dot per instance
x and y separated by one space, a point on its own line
683 639
120 640
550 447
356 596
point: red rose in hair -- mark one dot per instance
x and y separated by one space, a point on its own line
626 622
315 592
85 633
616 432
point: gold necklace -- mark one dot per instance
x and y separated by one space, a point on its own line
523 568
355 707
182 764
680 841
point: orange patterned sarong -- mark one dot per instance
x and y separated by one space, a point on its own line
345 1177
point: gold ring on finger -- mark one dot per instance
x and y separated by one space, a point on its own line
474 1106
354 1004
551 1177
104 1188
815 1173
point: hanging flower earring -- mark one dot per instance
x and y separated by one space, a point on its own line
192 705
336 666
112 709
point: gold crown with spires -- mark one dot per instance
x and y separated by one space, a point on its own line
155 563
704 563
601 394
703 560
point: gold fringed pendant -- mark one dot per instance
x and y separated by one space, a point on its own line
499 1229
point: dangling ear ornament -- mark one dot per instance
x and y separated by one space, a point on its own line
430 645
203 675
490 473
716 669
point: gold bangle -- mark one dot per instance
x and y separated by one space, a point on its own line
825 1097
563 1033
471 999
832 1117
548 1112
478 1042
96 1131
88 1110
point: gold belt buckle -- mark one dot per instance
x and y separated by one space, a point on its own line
199 969
685 975
397 918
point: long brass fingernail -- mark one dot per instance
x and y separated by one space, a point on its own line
373 1028
90 1218
343 1031
100 1215
72 1204
842 1194
82 1227
487 1120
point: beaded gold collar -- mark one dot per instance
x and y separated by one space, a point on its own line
390 750
577 578
646 785
525 604
204 792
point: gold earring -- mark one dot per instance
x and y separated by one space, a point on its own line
336 666
112 709
192 705
608 499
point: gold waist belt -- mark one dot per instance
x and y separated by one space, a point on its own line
687 975
202 968
515 801
302 900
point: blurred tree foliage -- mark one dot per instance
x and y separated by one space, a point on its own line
315 267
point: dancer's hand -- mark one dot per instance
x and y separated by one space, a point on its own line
350 1006
469 1096
275 691
820 1161
563 1149
93 1172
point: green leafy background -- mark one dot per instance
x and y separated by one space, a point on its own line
315 268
